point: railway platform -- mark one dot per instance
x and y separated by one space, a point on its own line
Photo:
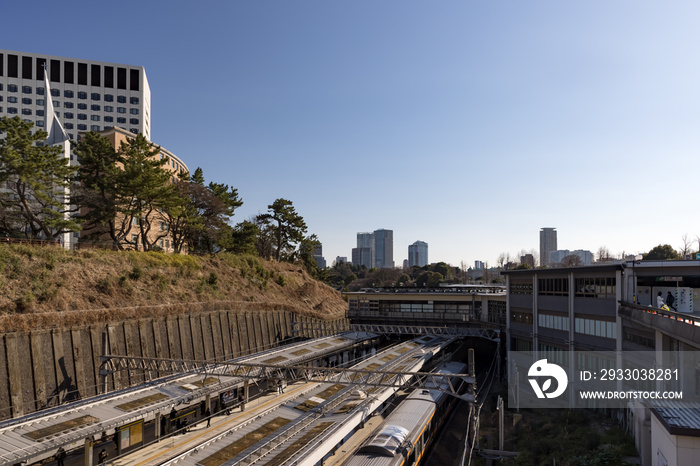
171 447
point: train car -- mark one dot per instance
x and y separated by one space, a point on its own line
407 432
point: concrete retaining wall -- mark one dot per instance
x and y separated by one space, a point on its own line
49 367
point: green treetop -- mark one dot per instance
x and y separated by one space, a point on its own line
37 179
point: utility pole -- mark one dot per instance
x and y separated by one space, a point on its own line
103 359
474 421
501 418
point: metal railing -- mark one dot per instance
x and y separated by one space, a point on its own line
31 242
689 319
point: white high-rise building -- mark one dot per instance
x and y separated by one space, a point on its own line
86 95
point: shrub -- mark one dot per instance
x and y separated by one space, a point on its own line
136 273
104 285
25 303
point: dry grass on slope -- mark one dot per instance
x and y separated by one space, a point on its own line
43 287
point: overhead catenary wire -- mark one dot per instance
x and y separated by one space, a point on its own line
488 380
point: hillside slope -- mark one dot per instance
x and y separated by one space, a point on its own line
43 287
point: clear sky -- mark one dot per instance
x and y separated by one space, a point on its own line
466 124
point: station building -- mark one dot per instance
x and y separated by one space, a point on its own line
613 308
453 304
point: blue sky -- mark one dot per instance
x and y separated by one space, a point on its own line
466 124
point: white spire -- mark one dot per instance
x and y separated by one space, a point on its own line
56 132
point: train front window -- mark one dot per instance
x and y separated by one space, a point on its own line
388 441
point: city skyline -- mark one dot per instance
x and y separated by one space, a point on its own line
551 114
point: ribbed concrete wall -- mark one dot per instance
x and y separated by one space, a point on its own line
48 367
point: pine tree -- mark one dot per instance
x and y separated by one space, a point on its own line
36 178
96 185
201 218
144 192
289 229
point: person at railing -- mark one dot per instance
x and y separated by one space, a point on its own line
669 301
659 300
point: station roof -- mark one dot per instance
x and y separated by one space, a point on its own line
38 435
678 417
460 289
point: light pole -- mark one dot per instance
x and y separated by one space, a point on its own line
636 259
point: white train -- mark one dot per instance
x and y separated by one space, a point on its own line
407 432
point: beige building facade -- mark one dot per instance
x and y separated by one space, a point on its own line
160 230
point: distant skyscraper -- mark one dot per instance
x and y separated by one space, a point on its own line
585 256
548 242
362 257
479 265
339 259
418 254
528 259
557 257
318 255
384 249
363 254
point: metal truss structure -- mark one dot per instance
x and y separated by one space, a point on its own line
247 371
392 329
483 332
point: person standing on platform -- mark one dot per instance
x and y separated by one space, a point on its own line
60 456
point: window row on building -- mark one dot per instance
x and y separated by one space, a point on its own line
411 306
595 327
70 116
553 286
598 287
363 304
598 328
553 354
70 72
593 287
521 316
71 126
524 287
70 94
555 322
68 104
